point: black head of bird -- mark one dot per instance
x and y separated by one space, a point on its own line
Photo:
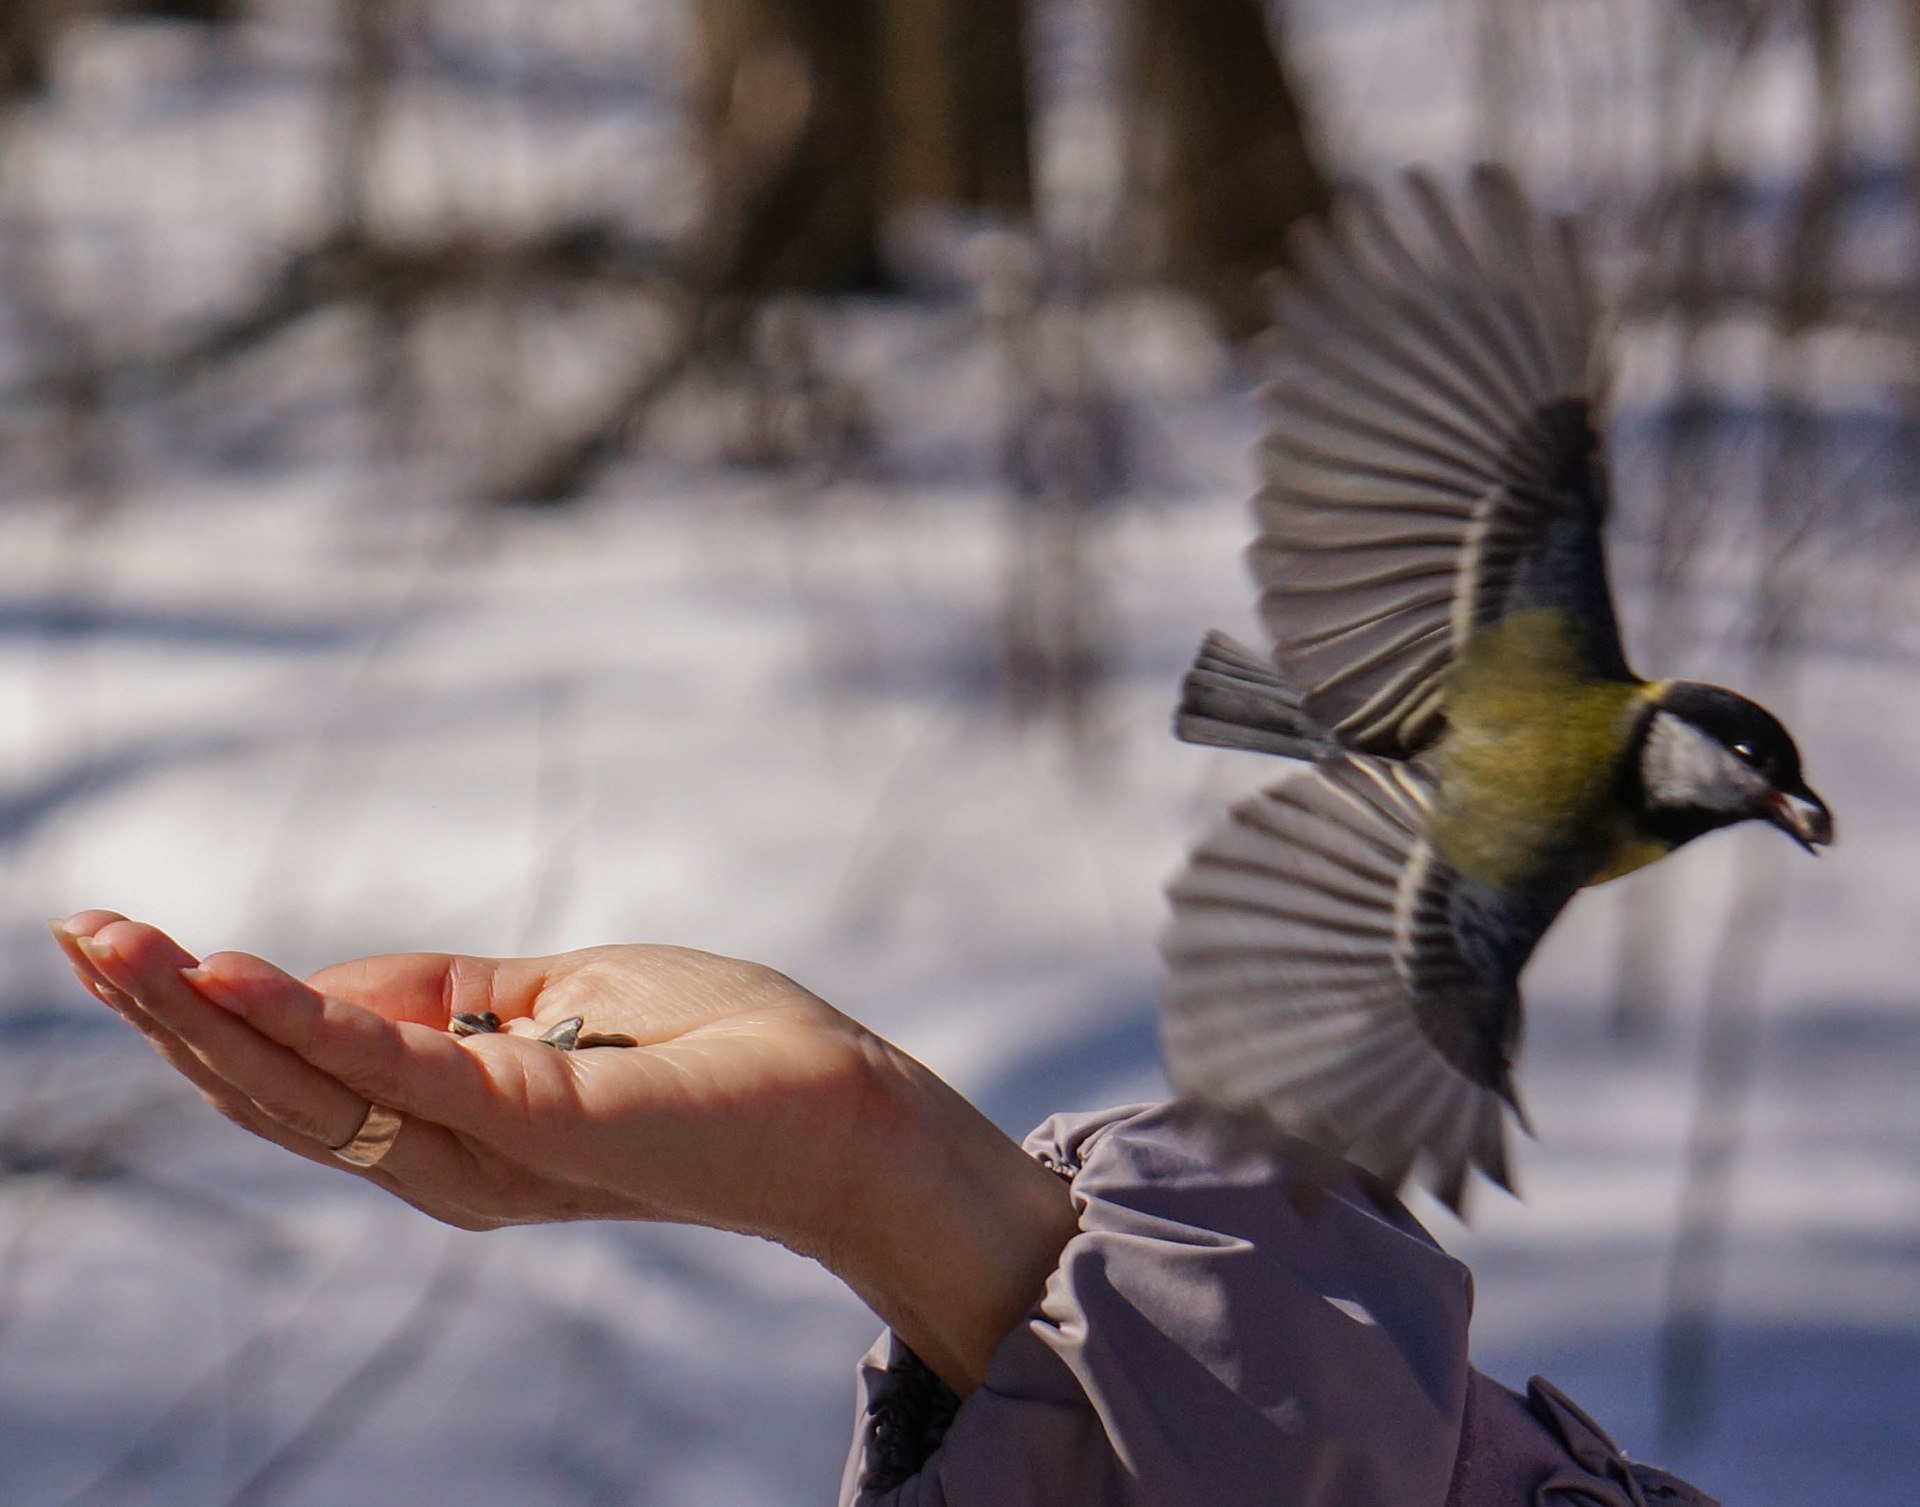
1710 757
1345 949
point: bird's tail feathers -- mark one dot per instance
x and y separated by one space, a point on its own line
1233 697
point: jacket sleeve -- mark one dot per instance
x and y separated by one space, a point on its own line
1206 1330
1213 1335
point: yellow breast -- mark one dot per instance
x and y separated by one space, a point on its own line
1630 853
1528 767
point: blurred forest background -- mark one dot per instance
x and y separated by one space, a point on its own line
509 475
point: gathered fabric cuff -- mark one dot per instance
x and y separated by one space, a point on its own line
1217 1334
1205 1334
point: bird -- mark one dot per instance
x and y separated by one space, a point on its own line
1344 950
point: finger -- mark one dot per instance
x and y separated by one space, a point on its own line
75 944
468 1135
246 1078
217 1091
74 936
151 967
76 939
90 977
494 1089
86 923
432 987
426 1166
249 1083
68 934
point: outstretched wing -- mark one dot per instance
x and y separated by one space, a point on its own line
1431 463
1330 971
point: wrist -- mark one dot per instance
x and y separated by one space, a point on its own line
951 1229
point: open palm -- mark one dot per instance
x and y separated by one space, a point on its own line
732 1109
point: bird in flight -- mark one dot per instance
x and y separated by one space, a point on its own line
1345 948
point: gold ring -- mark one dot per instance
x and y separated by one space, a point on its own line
379 1129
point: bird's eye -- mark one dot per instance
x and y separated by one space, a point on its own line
1743 752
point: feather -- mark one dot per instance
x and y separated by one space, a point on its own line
1428 443
1315 977
1235 698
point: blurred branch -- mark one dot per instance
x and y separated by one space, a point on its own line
799 176
1676 220
790 110
1681 523
350 266
1720 42
371 32
1728 1057
1499 73
1792 497
71 377
31 31
67 1165
562 805
1066 459
362 1392
388 1364
560 472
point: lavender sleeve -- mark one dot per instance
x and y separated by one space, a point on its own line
1209 1339
1201 1331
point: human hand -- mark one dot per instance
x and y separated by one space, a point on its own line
747 1103
733 1109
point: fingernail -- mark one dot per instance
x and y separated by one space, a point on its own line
213 991
96 950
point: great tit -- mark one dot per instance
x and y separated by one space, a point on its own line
1344 951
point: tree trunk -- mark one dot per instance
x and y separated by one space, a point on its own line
955 95
1218 144
787 104
821 116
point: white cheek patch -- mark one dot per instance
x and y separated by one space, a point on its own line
1682 766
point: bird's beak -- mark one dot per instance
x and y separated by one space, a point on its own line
1803 816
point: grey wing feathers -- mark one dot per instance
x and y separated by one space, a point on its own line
1317 977
1430 464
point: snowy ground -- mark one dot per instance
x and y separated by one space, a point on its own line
686 715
